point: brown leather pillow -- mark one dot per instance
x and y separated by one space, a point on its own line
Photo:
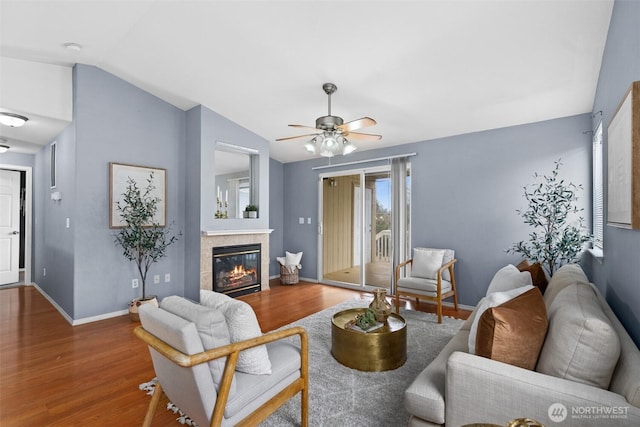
514 332
538 277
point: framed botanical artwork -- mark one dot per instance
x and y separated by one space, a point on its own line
119 175
623 162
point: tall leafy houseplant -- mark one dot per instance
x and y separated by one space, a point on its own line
554 240
142 239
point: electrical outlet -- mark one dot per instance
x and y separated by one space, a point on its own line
156 279
167 278
301 220
309 220
134 283
44 271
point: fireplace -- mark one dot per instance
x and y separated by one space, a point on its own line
236 269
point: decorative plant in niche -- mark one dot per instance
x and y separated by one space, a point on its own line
142 239
554 240
251 211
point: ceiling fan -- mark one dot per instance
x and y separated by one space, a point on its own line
331 135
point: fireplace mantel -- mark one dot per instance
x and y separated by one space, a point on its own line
234 232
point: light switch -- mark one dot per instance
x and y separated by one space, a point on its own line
68 223
308 220
301 220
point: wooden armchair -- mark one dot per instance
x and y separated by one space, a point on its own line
428 280
175 345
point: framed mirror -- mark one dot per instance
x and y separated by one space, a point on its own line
236 179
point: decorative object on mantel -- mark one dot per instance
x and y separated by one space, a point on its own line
142 239
554 240
331 135
220 213
251 211
623 162
380 306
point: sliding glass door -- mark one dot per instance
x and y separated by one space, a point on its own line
356 228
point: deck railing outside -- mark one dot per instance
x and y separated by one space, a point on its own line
383 246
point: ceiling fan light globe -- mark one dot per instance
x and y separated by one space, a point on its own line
310 147
348 148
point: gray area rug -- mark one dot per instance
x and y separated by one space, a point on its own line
345 397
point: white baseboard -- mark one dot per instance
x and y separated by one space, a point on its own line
82 321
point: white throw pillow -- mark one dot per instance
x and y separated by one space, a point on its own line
508 278
282 260
426 262
243 325
293 259
213 299
492 300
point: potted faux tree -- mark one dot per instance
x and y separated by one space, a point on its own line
142 239
555 238
251 211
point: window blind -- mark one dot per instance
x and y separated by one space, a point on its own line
598 184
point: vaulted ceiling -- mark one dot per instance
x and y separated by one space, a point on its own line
422 69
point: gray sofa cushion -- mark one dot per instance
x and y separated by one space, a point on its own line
581 344
566 275
425 396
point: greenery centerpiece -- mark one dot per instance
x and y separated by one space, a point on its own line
555 239
142 239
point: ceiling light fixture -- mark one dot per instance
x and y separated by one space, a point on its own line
12 120
330 143
74 47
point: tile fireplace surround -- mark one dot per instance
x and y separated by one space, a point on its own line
210 239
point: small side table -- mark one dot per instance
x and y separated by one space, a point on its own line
381 350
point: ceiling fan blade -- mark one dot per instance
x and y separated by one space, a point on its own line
305 127
360 123
296 137
363 136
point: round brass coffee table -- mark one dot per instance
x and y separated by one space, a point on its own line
380 350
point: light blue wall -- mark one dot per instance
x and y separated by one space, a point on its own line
218 128
618 276
276 215
465 191
113 122
54 243
192 203
17 159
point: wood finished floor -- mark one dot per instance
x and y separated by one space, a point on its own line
55 374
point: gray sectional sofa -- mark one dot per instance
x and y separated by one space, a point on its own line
459 388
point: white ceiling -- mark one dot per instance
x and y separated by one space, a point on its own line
422 69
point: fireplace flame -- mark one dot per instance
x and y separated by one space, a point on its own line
239 272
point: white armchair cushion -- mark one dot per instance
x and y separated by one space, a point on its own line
508 278
211 326
243 325
492 300
213 299
426 262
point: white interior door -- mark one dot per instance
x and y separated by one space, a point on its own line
9 226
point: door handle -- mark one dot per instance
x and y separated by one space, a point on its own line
15 232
